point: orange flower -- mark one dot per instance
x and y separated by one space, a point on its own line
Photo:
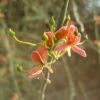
39 56
72 42
64 31
50 41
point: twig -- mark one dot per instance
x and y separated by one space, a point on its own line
63 14
70 80
24 42
9 55
96 30
45 86
77 17
83 91
1 93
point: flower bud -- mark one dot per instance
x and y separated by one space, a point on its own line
52 21
11 32
19 68
45 37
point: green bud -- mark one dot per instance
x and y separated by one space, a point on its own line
11 32
45 37
19 68
52 21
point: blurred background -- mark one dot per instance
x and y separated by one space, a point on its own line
74 78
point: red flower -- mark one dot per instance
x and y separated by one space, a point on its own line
64 31
72 42
39 56
50 41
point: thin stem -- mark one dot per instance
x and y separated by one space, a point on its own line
45 85
70 80
60 23
78 19
27 43
96 30
82 89
63 14
10 57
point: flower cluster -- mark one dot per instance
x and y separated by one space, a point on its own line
61 41
53 46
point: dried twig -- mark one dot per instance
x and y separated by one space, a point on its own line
9 56
45 86
70 80
63 14
83 91
96 30
78 19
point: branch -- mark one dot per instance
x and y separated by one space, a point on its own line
9 56
78 19
45 85
96 30
63 14
70 79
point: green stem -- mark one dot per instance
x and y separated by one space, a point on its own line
63 14
24 42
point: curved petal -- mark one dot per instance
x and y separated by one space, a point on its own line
43 53
77 39
50 41
61 33
34 72
36 57
40 55
79 51
71 29
61 47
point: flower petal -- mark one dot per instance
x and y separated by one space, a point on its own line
61 33
36 57
43 53
34 72
61 47
71 28
40 55
79 51
77 39
50 41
